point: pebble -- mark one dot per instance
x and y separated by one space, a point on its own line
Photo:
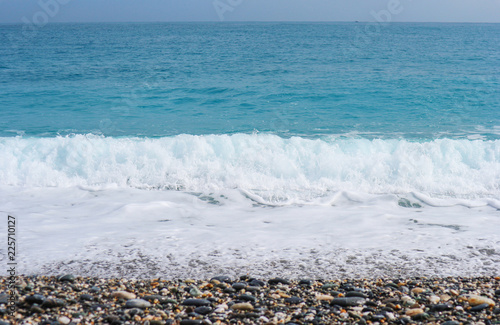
64 320
67 277
339 302
278 281
294 300
123 295
239 285
479 307
242 306
350 301
137 303
35 299
479 300
196 302
414 312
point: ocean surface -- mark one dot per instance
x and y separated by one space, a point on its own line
273 149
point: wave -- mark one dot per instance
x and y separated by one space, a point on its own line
265 165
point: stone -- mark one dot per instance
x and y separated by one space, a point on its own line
203 310
441 307
196 302
417 291
86 297
278 281
324 297
191 322
256 283
67 277
64 320
239 285
293 300
451 322
222 278
306 282
35 299
434 299
413 312
479 300
4 298
53 303
123 295
247 298
195 292
137 303
479 307
242 306
348 301
356 294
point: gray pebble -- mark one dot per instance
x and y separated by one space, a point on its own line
196 302
348 301
137 303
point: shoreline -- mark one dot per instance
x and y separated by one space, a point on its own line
245 300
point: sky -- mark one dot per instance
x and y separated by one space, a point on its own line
46 11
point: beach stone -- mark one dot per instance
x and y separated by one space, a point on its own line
497 293
64 320
324 297
413 312
330 285
347 302
203 310
496 311
356 294
95 289
137 303
195 292
479 300
441 307
191 322
306 282
37 310
242 306
35 299
293 300
479 307
434 299
451 322
4 298
247 298
67 277
417 291
222 278
87 297
123 295
252 289
53 303
239 285
256 283
196 302
278 281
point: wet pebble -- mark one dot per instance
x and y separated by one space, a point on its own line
137 303
196 302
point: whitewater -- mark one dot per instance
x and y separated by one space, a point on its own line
198 206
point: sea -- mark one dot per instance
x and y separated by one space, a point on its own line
300 150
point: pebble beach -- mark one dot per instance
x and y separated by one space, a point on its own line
70 299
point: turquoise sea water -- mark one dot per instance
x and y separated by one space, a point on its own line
406 81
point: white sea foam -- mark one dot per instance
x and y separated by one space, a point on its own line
198 206
270 169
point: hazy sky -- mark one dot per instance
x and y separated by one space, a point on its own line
40 11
